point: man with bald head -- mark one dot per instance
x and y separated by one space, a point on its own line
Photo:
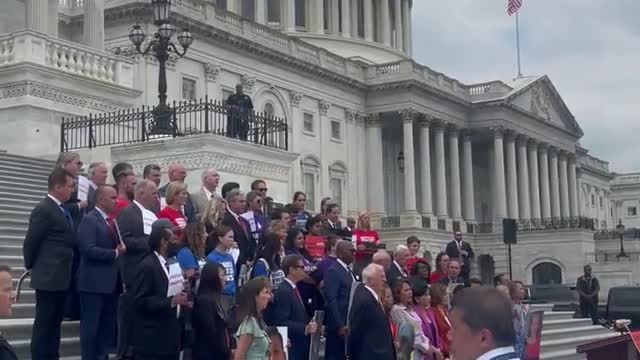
177 172
382 258
135 226
210 180
337 290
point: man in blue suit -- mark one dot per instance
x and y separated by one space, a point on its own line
337 290
98 282
288 309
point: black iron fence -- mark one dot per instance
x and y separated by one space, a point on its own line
632 233
204 116
612 256
556 223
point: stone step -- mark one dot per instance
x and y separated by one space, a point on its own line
23 311
11 250
564 344
7 239
14 227
20 329
557 315
563 355
27 159
15 215
18 186
8 196
16 169
27 295
569 332
22 206
565 323
11 260
68 346
28 166
36 180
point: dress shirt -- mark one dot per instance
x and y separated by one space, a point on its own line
104 214
92 184
344 265
497 352
402 271
293 285
55 200
145 210
163 262
375 294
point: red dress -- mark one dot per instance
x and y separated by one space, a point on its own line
361 237
177 219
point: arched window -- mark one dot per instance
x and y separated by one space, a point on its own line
269 111
546 273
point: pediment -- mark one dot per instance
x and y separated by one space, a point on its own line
541 99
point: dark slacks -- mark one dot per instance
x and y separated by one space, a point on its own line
98 325
125 326
335 349
45 335
589 310
157 357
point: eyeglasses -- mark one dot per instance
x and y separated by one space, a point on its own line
263 190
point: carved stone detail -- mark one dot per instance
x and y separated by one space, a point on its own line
324 107
296 98
211 71
247 81
373 120
350 115
497 131
408 115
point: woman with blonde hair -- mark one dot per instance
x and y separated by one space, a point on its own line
214 213
365 241
177 196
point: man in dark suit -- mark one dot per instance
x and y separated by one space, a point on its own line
453 273
482 325
177 172
157 329
98 283
48 253
7 297
397 269
134 222
236 205
462 250
98 173
369 330
288 309
337 292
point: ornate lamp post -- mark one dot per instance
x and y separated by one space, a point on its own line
620 230
162 46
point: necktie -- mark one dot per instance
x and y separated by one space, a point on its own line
67 216
111 229
298 295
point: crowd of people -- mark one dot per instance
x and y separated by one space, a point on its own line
165 273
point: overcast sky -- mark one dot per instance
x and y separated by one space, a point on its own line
589 48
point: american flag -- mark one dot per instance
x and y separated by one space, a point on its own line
513 6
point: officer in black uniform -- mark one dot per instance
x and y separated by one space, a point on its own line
239 107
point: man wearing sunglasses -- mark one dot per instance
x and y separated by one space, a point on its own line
260 186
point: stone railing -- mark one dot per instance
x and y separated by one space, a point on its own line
271 38
630 233
69 57
390 222
613 256
556 224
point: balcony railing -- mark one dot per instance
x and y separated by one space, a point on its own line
631 233
613 256
205 116
60 55
390 222
556 224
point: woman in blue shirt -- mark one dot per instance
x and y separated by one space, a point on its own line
192 256
300 215
222 238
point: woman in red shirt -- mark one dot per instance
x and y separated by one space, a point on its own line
442 264
176 198
363 239
439 312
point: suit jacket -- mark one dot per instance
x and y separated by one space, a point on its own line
132 232
189 207
91 199
211 332
453 252
98 271
369 331
201 202
337 291
288 310
156 329
242 236
394 274
6 351
72 206
48 247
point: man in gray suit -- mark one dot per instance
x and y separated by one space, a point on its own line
98 173
210 181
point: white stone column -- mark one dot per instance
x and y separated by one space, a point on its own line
354 18
467 177
385 20
523 179
441 178
573 190
334 17
398 25
425 168
346 18
554 183
564 186
289 21
36 15
454 174
232 6
512 176
52 16
407 117
317 12
368 20
261 11
406 22
545 195
375 195
94 24
535 180
500 191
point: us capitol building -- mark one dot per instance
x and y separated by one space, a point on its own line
364 123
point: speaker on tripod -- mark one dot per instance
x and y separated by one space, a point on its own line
509 231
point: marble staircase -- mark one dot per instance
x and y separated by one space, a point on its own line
23 183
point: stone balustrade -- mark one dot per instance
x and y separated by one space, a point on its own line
31 47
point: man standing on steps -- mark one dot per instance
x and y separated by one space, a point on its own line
48 253
100 247
98 173
588 288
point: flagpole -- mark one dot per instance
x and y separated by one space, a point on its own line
518 45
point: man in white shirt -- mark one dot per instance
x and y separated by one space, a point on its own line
482 325
396 270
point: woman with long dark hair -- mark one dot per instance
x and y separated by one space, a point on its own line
442 263
307 287
419 275
253 341
268 263
222 239
212 340
300 215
